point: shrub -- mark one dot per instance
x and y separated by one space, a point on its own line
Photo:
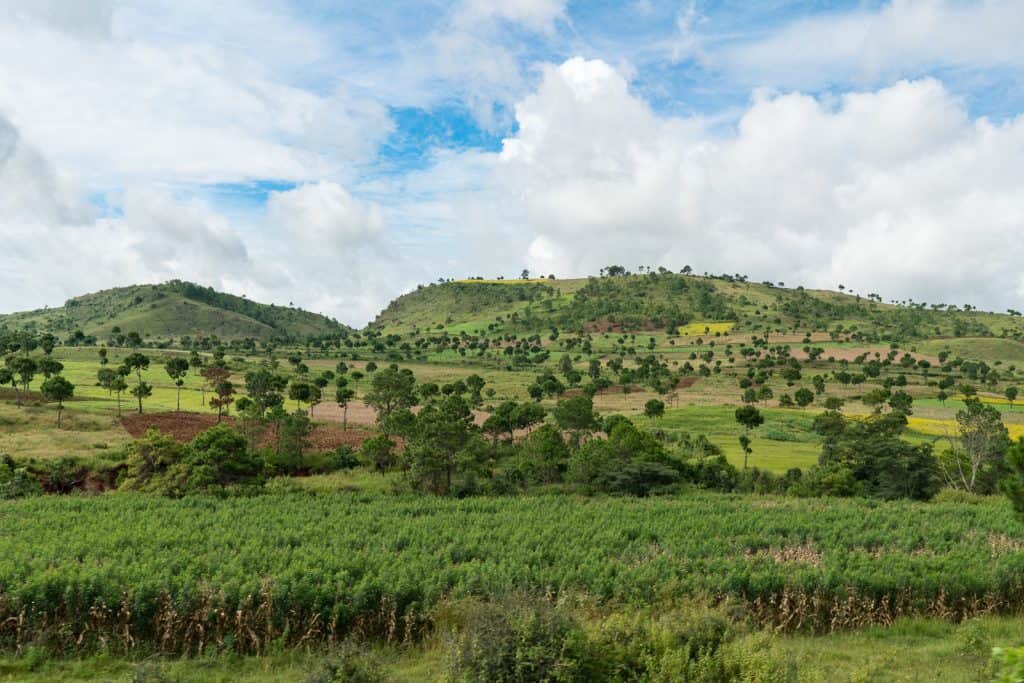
524 640
17 482
351 663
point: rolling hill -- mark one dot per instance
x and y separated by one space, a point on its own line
671 302
173 310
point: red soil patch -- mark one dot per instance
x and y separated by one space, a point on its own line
687 382
184 427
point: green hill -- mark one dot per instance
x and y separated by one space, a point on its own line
672 302
172 310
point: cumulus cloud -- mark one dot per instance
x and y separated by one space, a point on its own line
894 189
324 214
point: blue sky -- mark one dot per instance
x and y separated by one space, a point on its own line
338 153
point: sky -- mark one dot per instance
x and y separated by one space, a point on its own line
334 155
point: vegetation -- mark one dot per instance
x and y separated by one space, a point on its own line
632 476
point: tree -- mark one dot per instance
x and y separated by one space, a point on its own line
7 377
265 389
654 408
223 398
391 389
803 397
300 392
1011 395
867 457
24 368
343 395
442 444
50 367
118 386
138 362
379 452
1013 483
544 456
975 460
57 389
576 415
750 418
141 391
219 457
177 368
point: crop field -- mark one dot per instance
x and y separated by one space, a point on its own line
697 329
361 561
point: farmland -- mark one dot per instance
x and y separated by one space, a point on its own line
510 445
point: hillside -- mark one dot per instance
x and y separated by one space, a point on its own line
676 303
172 310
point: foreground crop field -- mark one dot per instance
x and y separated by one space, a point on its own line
301 567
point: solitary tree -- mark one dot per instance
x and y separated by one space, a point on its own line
138 362
57 389
224 395
344 396
804 397
177 368
118 386
1011 395
750 417
654 408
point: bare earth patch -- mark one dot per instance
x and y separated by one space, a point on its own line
183 427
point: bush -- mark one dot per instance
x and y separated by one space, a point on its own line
525 640
17 482
351 663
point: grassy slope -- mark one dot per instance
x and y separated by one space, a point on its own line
162 311
470 306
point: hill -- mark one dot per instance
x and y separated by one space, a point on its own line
172 310
679 304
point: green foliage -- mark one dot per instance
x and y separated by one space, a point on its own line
1010 664
867 457
217 458
391 389
340 561
349 663
17 481
1013 483
518 641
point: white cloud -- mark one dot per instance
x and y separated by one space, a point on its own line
895 189
324 214
131 110
537 15
868 45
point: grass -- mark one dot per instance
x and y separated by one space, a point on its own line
924 650
784 442
30 432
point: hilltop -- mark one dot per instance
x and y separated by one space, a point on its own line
679 304
172 310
